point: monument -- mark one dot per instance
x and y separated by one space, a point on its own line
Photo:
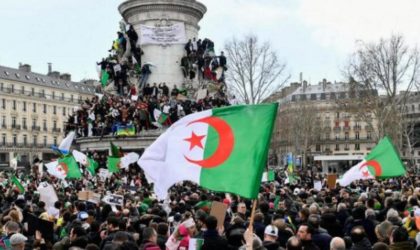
164 27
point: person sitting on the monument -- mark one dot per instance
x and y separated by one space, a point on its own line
164 88
122 42
154 91
185 65
222 61
194 46
145 73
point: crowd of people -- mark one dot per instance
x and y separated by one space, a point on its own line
369 214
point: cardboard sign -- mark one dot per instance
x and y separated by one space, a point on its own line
218 210
134 98
114 200
331 180
103 174
47 194
45 227
201 94
89 196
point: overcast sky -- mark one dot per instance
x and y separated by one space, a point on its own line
312 36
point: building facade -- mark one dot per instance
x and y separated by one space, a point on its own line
33 111
318 120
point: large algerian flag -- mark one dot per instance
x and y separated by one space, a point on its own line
382 162
64 147
222 149
113 164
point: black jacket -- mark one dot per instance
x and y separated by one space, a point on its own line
213 241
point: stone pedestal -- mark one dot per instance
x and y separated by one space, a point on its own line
166 58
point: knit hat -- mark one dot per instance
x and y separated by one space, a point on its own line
17 239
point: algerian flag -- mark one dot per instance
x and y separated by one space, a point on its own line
160 118
90 164
382 162
223 149
114 164
115 151
129 159
65 144
17 183
64 168
268 176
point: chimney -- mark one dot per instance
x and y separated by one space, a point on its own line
305 85
25 67
66 77
54 74
301 77
49 68
324 84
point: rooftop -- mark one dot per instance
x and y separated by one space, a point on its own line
7 73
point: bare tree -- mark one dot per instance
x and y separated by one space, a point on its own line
378 72
254 70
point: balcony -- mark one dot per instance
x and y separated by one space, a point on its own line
3 126
36 128
368 128
16 127
24 127
346 128
337 129
327 128
357 128
56 130
45 129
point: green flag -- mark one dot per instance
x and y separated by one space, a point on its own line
223 149
115 151
113 164
104 78
92 166
17 183
70 166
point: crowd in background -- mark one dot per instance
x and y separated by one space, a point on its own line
366 215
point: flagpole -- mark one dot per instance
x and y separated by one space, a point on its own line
251 221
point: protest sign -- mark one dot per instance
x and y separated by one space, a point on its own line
331 180
218 210
318 185
89 196
114 200
47 194
45 227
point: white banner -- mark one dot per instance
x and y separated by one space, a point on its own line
173 34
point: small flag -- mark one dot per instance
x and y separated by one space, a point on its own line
127 130
91 166
128 159
104 78
17 183
69 165
115 151
160 118
114 164
382 162
268 176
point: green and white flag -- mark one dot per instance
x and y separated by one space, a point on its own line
382 162
268 176
114 164
222 149
17 183
160 118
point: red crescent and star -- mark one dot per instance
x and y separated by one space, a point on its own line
375 165
225 147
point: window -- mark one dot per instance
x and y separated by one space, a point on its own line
24 123
33 122
3 121
332 96
323 97
3 103
71 98
33 91
24 106
318 148
346 124
44 125
346 135
3 139
64 111
357 135
54 110
313 97
413 108
356 146
53 95
14 139
13 122
369 135
342 95
303 97
13 88
337 147
327 136
62 96
22 90
337 124
14 104
337 115
45 108
1 86
293 98
35 141
34 107
25 139
346 147
45 140
42 93
337 137
55 125
55 140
